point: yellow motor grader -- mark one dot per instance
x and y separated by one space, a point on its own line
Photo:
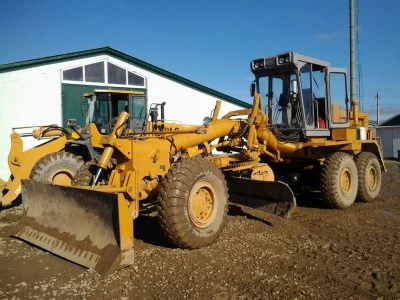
66 149
306 137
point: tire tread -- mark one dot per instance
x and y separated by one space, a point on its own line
172 202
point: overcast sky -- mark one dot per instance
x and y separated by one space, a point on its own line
213 42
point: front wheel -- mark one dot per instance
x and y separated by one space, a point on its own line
192 203
339 180
86 174
58 168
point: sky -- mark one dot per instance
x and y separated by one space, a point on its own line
213 42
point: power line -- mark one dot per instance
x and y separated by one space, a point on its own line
374 105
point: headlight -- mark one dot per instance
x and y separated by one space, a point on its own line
283 59
258 64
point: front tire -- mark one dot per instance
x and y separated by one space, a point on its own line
57 168
339 180
85 174
369 177
192 203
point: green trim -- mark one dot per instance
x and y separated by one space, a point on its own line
114 91
127 58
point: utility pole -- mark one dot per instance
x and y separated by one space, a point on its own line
377 109
352 54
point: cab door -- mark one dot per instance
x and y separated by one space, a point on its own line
138 109
339 108
314 95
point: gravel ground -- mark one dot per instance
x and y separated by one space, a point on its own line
317 254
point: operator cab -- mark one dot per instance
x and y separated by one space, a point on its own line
302 96
103 107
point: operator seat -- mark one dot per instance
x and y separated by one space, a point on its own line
286 108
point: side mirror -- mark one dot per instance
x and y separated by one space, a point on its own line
96 105
252 88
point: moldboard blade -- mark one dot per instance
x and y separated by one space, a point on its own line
272 196
77 224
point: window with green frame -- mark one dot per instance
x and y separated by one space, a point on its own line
103 72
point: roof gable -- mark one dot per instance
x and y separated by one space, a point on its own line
127 58
393 121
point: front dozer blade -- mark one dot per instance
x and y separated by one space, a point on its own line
83 226
272 196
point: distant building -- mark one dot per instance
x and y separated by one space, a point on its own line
389 132
49 90
393 121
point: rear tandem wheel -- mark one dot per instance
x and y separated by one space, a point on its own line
369 176
339 180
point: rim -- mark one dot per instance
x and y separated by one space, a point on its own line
371 178
61 177
202 204
345 181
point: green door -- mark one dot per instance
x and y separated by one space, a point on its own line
72 101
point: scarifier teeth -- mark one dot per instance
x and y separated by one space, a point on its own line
59 247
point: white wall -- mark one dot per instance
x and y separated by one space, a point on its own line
390 136
27 99
32 97
183 103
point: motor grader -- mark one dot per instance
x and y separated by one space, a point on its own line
325 140
261 159
66 149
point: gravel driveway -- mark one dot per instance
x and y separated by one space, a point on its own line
317 254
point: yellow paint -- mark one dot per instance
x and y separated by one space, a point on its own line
125 221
